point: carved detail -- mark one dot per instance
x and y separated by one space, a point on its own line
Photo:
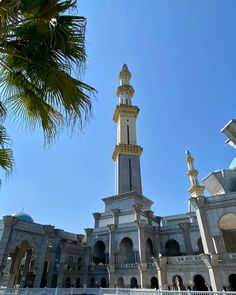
160 262
184 226
125 110
127 149
111 228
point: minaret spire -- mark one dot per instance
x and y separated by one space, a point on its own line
196 189
126 153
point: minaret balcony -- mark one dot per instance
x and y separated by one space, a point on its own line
125 110
125 89
127 149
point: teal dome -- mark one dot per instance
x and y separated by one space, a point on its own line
22 216
233 164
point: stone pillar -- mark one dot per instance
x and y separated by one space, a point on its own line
185 228
87 257
160 264
111 270
137 209
115 212
40 259
198 203
149 216
26 267
157 244
15 267
141 240
111 265
51 263
111 228
96 216
219 244
5 240
216 279
142 254
60 277
142 267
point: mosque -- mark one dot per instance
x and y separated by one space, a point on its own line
129 246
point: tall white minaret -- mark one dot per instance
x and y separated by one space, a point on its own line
196 189
126 153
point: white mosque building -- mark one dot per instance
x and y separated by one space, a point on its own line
129 246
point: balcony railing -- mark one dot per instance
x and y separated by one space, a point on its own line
104 291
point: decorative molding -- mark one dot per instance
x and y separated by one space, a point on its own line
193 172
197 190
127 149
125 110
125 89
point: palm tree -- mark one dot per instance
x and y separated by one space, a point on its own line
42 57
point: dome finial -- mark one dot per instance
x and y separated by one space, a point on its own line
187 153
125 67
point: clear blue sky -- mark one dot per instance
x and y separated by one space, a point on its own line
182 55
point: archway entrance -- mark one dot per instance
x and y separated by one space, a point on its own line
199 283
21 265
228 226
78 283
154 283
232 282
120 283
99 255
103 283
126 254
133 283
178 283
67 282
92 283
172 248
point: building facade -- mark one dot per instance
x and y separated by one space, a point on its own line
129 246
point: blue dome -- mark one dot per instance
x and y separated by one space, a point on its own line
22 216
233 164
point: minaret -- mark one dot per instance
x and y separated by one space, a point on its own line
126 153
195 190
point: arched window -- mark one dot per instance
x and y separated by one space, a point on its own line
133 283
70 263
126 254
228 226
103 283
120 283
178 283
79 264
172 248
232 282
67 282
77 283
199 283
154 283
99 255
92 283
149 250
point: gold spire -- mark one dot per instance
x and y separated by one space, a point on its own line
195 190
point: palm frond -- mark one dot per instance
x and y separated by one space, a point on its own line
37 65
6 156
